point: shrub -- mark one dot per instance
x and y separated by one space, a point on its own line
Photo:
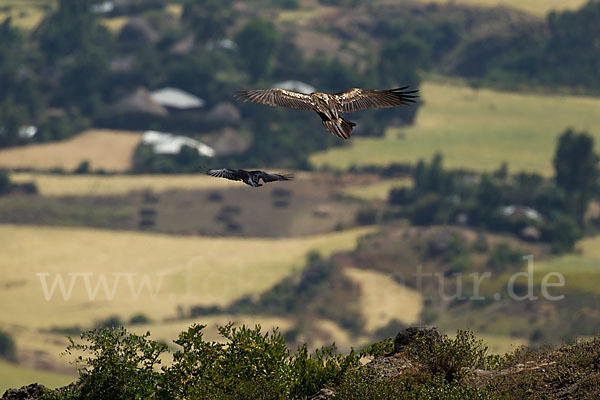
118 365
139 319
8 348
5 184
452 359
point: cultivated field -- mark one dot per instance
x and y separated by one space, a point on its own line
153 274
14 376
103 149
477 129
378 190
392 300
539 7
112 185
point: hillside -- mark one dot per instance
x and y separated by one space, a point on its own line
418 362
477 129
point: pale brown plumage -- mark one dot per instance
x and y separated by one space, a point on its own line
329 106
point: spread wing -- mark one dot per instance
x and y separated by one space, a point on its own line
226 173
277 97
267 177
362 99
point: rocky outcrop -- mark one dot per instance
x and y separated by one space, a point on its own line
29 392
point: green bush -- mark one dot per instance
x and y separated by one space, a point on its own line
8 348
363 383
453 359
248 365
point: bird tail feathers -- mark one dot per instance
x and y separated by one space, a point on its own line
341 128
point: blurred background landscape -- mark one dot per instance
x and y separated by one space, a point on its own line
110 112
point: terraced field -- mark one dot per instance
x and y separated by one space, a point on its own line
477 129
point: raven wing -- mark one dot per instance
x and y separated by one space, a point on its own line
226 173
277 97
267 177
362 99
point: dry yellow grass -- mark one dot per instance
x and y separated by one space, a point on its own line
538 7
106 185
224 269
114 24
383 300
376 191
104 149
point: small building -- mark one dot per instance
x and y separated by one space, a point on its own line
515 211
27 132
104 7
167 143
140 102
225 112
176 99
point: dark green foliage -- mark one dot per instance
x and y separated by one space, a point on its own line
5 184
258 43
114 321
82 168
452 359
562 232
139 319
576 170
363 384
503 257
117 365
249 365
366 216
8 347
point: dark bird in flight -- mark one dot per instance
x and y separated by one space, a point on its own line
330 106
251 178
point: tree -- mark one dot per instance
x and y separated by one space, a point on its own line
208 18
258 43
576 170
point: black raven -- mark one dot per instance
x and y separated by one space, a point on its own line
251 178
329 106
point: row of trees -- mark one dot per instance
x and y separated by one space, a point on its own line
441 196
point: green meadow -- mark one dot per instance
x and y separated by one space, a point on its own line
14 376
478 129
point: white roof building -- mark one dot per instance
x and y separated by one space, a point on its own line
27 132
167 143
176 98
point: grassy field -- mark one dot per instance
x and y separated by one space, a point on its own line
376 191
394 301
581 269
224 269
539 7
110 185
14 376
103 149
476 129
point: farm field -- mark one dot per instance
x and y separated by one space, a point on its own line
378 291
109 150
112 185
580 270
125 273
539 7
378 190
477 129
14 376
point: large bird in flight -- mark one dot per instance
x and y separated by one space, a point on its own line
330 106
251 178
